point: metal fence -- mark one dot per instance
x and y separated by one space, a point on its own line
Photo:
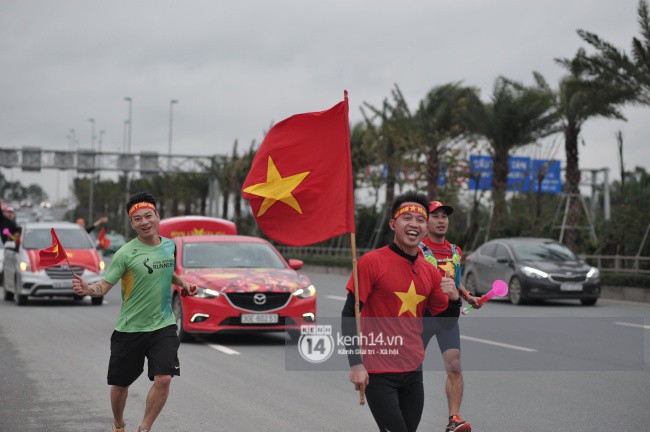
605 263
619 263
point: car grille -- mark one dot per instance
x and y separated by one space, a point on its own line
569 278
236 321
247 301
60 272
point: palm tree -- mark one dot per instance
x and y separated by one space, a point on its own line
516 115
437 122
578 100
632 74
388 139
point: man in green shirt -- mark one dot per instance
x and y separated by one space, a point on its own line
146 326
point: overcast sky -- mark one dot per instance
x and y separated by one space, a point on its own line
235 66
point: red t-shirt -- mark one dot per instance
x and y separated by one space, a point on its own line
391 287
443 254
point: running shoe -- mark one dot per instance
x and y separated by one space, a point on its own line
119 428
457 424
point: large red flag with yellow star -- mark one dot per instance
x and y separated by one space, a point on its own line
300 182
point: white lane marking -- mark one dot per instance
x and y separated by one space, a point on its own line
224 349
499 344
340 298
647 327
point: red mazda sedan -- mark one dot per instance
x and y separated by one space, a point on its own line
244 285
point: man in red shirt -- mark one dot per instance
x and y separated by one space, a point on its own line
396 282
446 257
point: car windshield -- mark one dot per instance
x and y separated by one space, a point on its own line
230 254
71 238
543 251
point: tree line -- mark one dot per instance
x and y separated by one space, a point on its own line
396 146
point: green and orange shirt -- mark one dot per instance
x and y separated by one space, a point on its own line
146 274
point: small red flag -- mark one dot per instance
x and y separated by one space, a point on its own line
300 182
52 255
101 238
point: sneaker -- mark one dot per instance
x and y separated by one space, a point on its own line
457 424
119 428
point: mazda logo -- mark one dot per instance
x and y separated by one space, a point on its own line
259 299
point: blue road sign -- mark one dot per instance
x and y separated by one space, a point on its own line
522 174
550 172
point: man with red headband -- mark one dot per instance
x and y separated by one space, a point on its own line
446 258
396 282
146 326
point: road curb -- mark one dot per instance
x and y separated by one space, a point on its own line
633 294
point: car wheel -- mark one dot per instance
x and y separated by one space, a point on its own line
8 296
516 292
470 284
97 301
588 301
21 300
177 308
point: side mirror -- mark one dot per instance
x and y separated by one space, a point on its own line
295 264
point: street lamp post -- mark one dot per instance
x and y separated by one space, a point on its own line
73 146
92 173
125 133
99 141
128 154
171 124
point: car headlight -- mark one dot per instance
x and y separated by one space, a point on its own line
306 292
207 293
594 273
534 273
102 265
23 266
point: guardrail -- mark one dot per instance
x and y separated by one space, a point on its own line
320 252
605 263
619 263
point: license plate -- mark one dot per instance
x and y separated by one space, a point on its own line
259 319
570 287
62 283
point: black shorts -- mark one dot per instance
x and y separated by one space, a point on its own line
128 351
446 330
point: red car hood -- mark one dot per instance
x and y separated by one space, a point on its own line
247 280
85 258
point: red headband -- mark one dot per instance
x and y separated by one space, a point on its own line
412 208
139 206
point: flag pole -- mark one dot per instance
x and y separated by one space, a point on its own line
69 265
357 314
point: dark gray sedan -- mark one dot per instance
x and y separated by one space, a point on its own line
534 268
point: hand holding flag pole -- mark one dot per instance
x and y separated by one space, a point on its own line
499 289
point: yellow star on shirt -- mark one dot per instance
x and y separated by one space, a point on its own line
277 188
410 300
448 266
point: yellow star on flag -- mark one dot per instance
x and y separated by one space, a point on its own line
410 300
448 266
277 188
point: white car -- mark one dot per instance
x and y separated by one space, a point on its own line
24 277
